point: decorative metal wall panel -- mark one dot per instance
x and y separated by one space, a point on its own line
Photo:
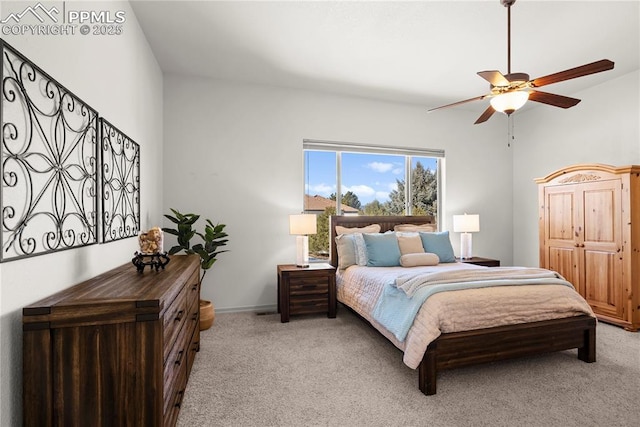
49 168
120 184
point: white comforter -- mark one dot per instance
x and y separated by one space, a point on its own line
454 311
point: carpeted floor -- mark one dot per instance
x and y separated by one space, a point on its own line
253 370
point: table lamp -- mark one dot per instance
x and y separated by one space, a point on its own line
466 224
301 225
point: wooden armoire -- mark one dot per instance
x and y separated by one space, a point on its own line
589 227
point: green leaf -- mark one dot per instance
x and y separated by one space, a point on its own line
207 264
174 250
172 219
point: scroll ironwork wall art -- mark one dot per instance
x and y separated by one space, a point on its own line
120 172
48 196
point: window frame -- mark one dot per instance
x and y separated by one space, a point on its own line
409 152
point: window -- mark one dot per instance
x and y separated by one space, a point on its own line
354 179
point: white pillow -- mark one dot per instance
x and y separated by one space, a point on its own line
346 248
417 259
361 249
351 250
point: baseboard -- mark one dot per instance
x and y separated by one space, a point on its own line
260 309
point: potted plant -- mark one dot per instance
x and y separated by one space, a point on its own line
213 238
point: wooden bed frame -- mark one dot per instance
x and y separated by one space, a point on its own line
452 350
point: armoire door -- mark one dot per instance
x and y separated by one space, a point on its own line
600 242
560 233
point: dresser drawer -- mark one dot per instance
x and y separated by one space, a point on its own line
194 347
173 400
193 315
174 319
193 288
175 367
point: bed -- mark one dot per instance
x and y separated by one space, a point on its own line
512 336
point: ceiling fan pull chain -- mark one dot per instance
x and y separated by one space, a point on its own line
512 133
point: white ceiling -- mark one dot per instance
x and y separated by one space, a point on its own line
422 52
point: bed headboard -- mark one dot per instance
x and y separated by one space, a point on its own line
386 223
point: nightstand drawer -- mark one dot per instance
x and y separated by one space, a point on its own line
309 304
308 285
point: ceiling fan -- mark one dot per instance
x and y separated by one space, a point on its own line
509 92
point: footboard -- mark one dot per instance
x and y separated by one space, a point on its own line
505 342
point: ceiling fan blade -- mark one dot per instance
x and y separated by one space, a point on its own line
583 70
486 115
552 99
477 98
496 78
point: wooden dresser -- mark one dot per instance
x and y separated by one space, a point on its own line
115 350
590 233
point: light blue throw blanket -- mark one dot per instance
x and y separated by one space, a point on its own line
401 299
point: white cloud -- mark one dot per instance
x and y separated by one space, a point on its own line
380 167
398 171
360 190
320 189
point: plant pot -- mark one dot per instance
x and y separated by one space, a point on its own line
207 314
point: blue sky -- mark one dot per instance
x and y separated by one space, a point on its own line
369 176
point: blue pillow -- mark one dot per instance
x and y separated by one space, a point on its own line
382 250
439 244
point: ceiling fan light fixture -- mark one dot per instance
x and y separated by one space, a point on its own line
509 102
509 92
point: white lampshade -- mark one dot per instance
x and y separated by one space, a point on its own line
302 224
466 223
509 102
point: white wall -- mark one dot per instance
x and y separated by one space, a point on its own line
233 153
120 78
603 128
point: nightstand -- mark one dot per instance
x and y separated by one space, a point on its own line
304 290
487 262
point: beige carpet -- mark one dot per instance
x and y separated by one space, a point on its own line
253 370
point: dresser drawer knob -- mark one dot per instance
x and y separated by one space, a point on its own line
179 316
179 396
179 358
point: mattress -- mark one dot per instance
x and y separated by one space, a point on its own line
361 287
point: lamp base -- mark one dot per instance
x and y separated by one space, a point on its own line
302 251
465 246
